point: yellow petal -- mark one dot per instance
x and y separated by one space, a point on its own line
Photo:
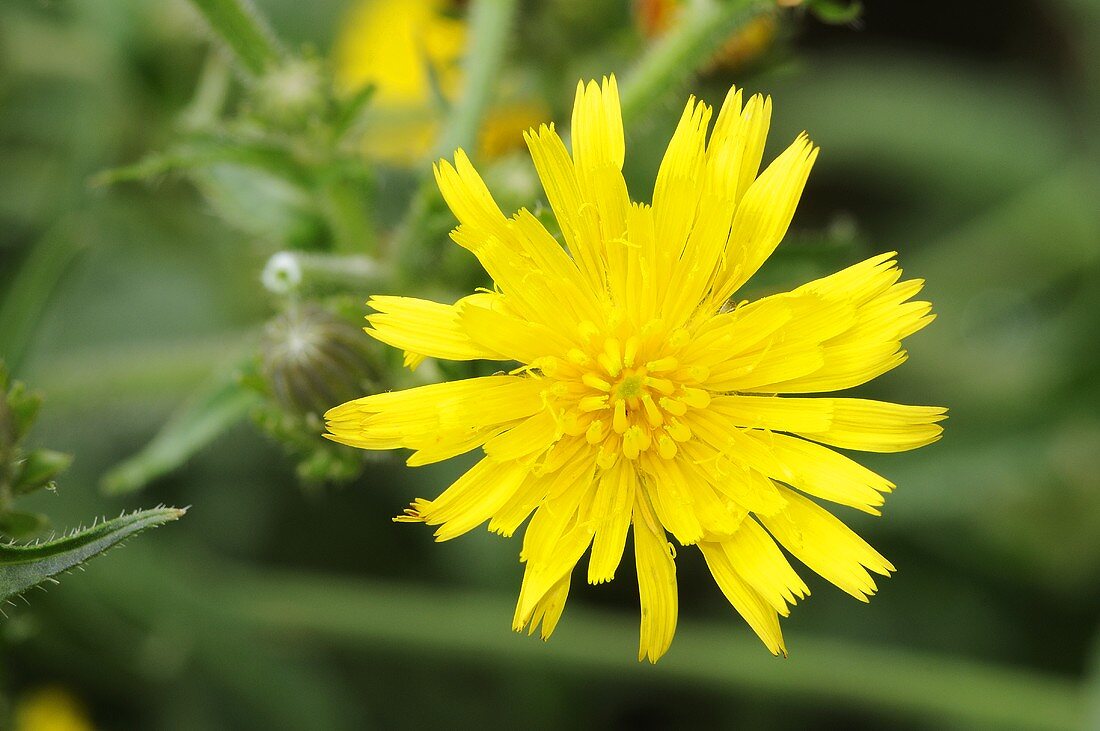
827 546
523 502
472 498
656 583
435 415
579 223
534 434
870 344
496 329
598 126
548 610
817 470
680 179
756 558
609 515
761 616
468 197
425 328
779 414
668 491
869 426
765 213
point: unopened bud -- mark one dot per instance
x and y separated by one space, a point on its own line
314 360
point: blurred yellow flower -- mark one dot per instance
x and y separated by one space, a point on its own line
644 400
51 709
412 50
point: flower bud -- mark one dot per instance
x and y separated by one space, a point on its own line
314 360
291 94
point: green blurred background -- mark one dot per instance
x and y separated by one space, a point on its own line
963 135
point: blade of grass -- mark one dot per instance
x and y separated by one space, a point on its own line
474 627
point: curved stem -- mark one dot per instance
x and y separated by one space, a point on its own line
678 55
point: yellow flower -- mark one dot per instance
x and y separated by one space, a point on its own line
50 709
412 50
645 400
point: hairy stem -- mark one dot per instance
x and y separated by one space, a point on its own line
415 247
678 55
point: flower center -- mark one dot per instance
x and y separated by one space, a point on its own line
629 396
629 386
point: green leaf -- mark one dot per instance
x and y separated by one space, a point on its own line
19 526
206 415
243 29
23 567
39 469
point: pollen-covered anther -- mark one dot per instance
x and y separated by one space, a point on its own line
593 403
579 357
652 413
661 385
611 358
673 406
591 379
666 446
662 364
635 441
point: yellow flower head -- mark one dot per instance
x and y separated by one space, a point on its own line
644 400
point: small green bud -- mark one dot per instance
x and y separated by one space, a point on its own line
22 407
292 93
313 360
39 469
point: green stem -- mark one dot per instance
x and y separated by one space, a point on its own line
490 23
681 52
416 244
295 271
239 24
213 88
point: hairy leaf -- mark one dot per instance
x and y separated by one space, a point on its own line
22 567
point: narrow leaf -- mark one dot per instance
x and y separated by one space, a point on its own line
205 416
242 28
22 567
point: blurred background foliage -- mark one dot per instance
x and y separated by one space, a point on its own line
187 232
